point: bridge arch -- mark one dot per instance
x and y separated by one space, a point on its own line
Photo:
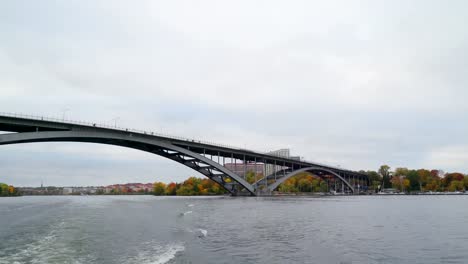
277 183
161 147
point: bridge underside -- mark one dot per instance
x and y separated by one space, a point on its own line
233 183
208 160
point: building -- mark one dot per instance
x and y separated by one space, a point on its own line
241 169
260 168
269 168
67 190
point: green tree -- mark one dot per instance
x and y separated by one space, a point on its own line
159 188
401 172
304 185
456 186
375 180
185 190
250 177
323 187
413 178
288 186
4 189
386 174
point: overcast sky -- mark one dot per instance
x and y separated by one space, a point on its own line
350 83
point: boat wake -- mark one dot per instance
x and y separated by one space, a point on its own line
202 233
186 213
46 248
157 254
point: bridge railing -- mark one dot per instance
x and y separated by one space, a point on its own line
114 127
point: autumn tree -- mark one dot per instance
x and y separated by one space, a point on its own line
397 182
11 190
288 186
456 186
401 172
250 177
171 189
449 177
8 190
159 188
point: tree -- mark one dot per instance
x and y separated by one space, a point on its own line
171 189
304 185
406 184
185 190
424 178
413 178
397 182
434 184
401 172
316 185
159 188
375 180
7 190
449 177
216 189
11 190
323 187
386 174
288 186
250 177
3 189
456 186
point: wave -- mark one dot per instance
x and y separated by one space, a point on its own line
202 232
157 254
44 248
186 213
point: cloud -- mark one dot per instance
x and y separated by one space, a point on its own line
450 158
355 84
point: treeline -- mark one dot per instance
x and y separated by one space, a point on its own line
8 190
421 180
303 182
191 186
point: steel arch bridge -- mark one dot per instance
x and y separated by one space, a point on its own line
206 158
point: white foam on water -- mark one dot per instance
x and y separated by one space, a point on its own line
45 249
191 205
157 254
186 213
203 232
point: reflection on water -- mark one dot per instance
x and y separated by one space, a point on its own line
147 229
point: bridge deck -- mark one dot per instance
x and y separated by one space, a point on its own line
198 155
25 123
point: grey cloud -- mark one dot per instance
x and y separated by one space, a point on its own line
346 82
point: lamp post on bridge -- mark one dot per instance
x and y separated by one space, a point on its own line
115 119
64 111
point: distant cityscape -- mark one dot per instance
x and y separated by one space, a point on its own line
127 188
147 188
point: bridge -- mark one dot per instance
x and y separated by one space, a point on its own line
226 165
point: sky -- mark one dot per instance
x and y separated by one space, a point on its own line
351 83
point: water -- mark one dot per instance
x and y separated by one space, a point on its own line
147 229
